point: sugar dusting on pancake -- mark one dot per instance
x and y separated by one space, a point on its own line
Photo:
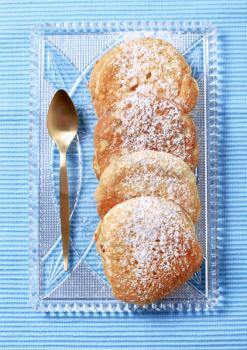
148 173
148 248
145 122
140 64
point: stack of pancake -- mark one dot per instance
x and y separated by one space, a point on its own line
145 154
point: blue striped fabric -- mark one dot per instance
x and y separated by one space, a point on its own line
20 327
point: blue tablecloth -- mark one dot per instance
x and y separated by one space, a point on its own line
22 328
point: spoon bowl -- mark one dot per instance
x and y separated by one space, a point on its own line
62 120
62 125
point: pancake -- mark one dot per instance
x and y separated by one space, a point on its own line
148 248
144 64
144 122
148 173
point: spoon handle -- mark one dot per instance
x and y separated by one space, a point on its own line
64 208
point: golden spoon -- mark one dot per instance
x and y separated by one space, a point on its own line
62 125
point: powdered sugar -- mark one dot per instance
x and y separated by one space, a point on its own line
157 233
149 122
156 173
149 61
143 182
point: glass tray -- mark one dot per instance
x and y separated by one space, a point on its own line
62 57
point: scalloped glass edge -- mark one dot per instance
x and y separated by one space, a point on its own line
203 27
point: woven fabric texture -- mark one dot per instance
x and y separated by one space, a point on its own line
22 328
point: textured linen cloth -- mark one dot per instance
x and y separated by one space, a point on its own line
21 327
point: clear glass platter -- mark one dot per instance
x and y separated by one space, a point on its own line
62 56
